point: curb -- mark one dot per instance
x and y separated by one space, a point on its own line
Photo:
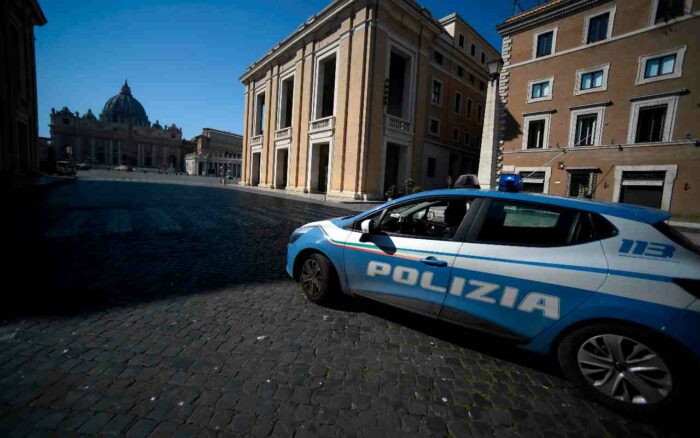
689 226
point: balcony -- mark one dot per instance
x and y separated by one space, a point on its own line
256 141
397 127
324 124
283 134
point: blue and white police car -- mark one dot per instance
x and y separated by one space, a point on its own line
609 290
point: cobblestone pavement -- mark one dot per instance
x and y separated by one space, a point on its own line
153 309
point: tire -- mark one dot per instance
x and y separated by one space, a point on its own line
318 279
625 367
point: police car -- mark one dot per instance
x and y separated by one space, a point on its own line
610 290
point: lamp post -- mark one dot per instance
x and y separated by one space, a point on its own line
488 156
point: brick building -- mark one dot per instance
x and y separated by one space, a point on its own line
601 100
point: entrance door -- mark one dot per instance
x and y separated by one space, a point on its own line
281 176
323 168
255 176
391 169
644 188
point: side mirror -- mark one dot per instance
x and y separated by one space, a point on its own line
367 226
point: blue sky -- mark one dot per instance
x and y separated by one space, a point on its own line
182 58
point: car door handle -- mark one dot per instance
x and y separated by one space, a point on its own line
432 261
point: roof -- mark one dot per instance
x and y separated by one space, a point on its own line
625 211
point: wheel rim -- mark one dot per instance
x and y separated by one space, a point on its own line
311 278
624 369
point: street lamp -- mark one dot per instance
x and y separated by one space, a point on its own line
494 68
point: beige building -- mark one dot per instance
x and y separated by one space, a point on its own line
363 96
601 101
18 106
215 153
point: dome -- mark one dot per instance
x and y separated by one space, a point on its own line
124 108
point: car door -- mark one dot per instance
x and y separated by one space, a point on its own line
523 266
407 260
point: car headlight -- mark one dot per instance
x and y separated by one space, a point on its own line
296 234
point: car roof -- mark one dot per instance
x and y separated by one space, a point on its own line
625 211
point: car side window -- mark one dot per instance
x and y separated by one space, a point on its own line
427 218
515 223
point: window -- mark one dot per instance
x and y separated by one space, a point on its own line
592 80
514 223
436 96
430 218
581 183
325 86
479 112
483 58
473 50
461 40
471 78
533 181
286 103
661 66
455 134
585 130
536 131
434 126
544 43
482 85
535 138
431 167
669 9
650 124
466 138
586 126
598 28
540 89
652 120
458 102
259 114
460 71
438 57
469 107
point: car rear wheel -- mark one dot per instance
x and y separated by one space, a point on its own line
317 279
624 367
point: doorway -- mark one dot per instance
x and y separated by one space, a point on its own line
391 167
255 170
318 179
281 166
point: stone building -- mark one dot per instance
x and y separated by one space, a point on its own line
122 135
215 151
601 101
18 105
363 96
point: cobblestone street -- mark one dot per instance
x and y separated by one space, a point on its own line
156 309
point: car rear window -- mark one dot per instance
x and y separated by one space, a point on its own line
514 223
677 237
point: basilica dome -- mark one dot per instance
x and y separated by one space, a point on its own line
124 108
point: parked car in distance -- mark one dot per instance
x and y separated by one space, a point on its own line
466 181
65 168
609 291
124 168
82 166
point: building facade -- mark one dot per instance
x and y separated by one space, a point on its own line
122 135
364 96
215 153
601 101
18 105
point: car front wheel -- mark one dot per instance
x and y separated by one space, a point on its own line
624 367
317 279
